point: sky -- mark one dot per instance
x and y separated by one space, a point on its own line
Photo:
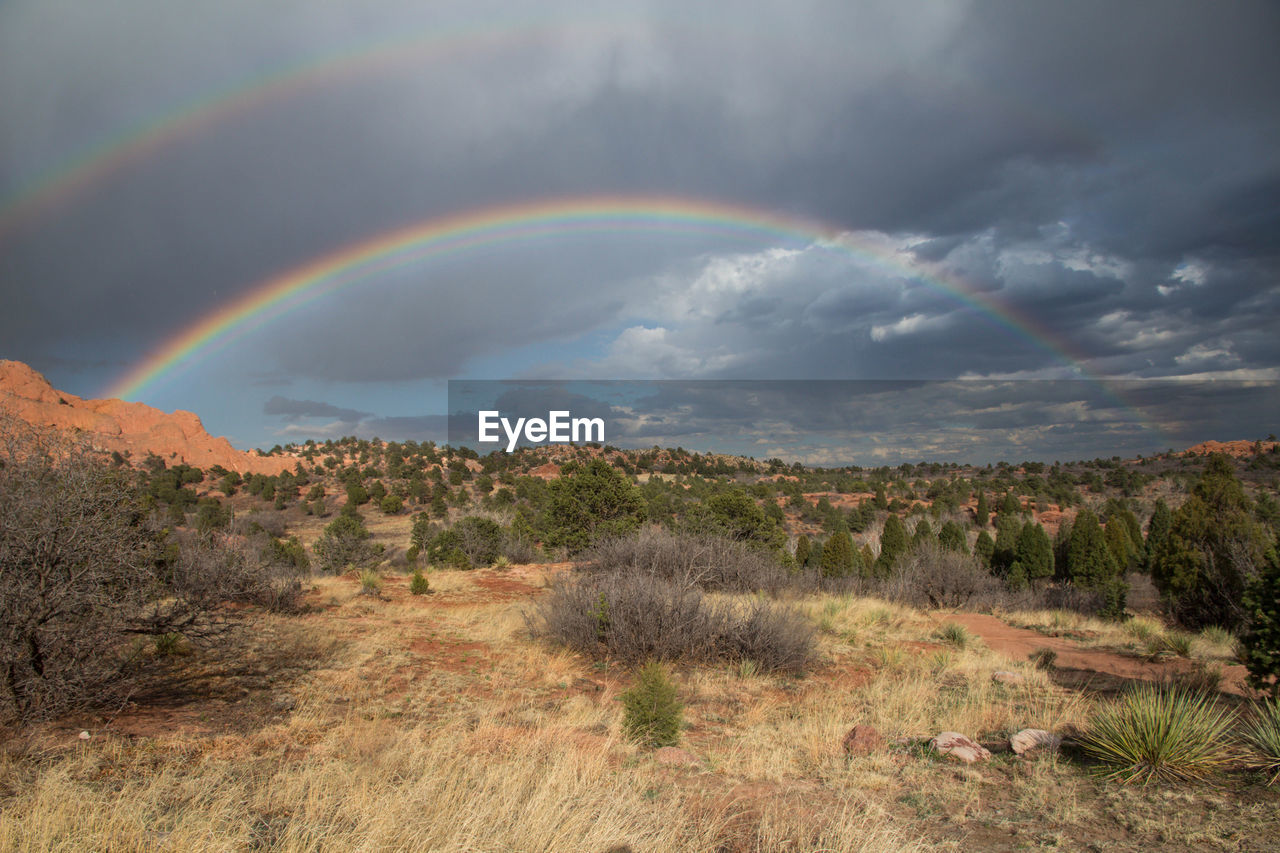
302 220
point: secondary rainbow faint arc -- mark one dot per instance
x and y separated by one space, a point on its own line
133 145
433 238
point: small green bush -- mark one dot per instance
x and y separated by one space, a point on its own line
1160 733
1262 735
170 645
652 712
1044 657
418 583
953 634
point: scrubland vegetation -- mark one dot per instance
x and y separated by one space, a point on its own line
404 646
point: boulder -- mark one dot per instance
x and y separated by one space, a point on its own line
1033 740
958 747
862 740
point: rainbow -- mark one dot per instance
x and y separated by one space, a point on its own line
433 239
131 147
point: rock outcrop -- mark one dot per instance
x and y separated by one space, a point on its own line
132 429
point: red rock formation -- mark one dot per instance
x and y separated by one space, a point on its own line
135 429
1237 449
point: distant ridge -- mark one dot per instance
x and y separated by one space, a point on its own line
132 429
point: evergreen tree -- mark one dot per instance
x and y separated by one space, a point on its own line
1010 505
802 550
983 513
924 533
984 548
589 502
1157 531
1213 550
1117 536
893 543
1261 635
1090 563
1034 552
952 538
837 556
1008 526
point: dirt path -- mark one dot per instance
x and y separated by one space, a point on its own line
1020 643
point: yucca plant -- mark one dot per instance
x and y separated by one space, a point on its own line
1160 733
1179 643
1262 734
954 634
370 582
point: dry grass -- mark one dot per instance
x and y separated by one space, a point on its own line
1144 635
434 723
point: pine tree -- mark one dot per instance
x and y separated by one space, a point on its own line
1213 551
1010 505
1157 531
1090 563
893 543
924 533
802 550
952 538
1008 527
1261 635
837 556
984 548
1034 552
983 513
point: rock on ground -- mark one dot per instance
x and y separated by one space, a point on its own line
958 747
1034 740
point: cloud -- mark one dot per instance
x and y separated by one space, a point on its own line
293 410
1078 180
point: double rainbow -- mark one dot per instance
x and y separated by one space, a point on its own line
435 238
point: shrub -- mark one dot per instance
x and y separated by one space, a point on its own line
445 549
634 618
82 567
1044 658
345 542
1261 733
1160 733
930 576
652 713
418 583
687 560
589 503
479 538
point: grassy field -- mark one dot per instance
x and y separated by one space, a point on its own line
435 723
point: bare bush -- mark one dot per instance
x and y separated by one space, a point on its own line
635 617
930 576
83 567
689 561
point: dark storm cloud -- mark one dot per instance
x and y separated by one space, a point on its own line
292 410
1104 174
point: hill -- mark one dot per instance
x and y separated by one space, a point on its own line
133 430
